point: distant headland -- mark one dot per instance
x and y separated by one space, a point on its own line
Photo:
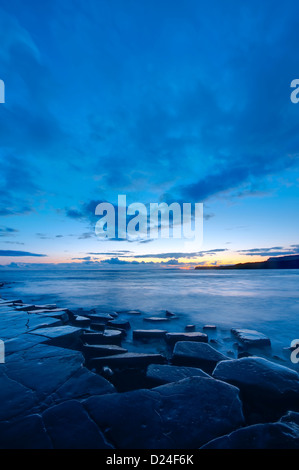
281 262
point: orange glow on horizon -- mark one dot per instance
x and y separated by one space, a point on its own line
221 259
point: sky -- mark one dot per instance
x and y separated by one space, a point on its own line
173 101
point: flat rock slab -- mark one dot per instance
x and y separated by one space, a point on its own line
181 415
98 326
92 338
81 321
129 312
29 377
163 374
259 436
263 384
120 324
70 427
128 360
112 336
65 336
21 343
40 308
173 338
170 314
25 308
61 315
43 375
156 319
47 306
10 302
251 337
97 350
197 354
190 327
15 398
209 327
26 433
99 317
149 334
83 384
13 323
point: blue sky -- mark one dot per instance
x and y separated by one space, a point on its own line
184 101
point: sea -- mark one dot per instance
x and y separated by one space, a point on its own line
263 300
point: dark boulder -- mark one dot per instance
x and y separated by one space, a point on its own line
259 436
107 337
267 388
251 338
99 317
173 338
25 433
123 324
180 415
70 427
201 355
100 350
65 336
127 360
170 314
190 328
129 312
156 319
163 374
81 321
149 334
209 327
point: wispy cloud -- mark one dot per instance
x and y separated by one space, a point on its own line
19 253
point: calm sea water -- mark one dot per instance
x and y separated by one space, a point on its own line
264 300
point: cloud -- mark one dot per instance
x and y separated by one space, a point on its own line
14 243
7 231
178 255
170 261
17 185
107 253
74 214
19 253
183 107
43 236
273 251
117 261
86 235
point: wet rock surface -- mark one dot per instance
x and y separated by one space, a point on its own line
130 360
251 338
163 374
173 338
99 350
197 354
84 379
160 418
148 334
259 436
70 427
267 388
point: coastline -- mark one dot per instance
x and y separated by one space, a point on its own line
77 368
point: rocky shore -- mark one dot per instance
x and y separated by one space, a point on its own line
90 379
